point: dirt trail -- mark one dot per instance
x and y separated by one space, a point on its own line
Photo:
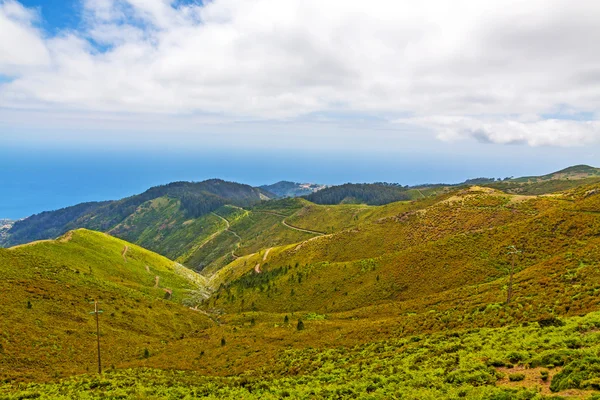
272 213
124 253
211 237
257 266
302 229
238 244
291 226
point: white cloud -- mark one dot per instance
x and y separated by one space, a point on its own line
534 132
451 65
21 45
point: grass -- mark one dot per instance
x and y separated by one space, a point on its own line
501 363
45 292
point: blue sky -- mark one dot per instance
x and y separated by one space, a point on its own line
56 15
100 99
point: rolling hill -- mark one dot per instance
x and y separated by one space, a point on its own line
361 193
407 298
45 293
188 221
171 208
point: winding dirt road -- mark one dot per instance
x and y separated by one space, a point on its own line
257 266
238 244
292 226
302 229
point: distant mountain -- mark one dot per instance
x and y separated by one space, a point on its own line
367 193
181 201
292 189
5 225
571 173
564 179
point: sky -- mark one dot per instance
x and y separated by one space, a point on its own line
100 99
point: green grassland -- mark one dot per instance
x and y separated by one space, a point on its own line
45 294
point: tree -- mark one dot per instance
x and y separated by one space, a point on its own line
223 341
286 320
300 325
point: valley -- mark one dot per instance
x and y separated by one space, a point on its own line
372 296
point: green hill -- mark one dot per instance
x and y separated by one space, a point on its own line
565 179
143 218
365 193
301 300
458 241
45 293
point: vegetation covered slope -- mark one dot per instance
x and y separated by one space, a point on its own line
45 293
404 300
457 242
193 200
366 193
533 361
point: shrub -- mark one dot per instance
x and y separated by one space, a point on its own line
477 376
578 374
516 377
550 358
515 357
550 321
146 353
544 374
496 363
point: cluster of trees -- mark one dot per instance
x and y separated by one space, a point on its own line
369 193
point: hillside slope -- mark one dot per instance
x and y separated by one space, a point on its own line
456 243
45 294
187 201
408 298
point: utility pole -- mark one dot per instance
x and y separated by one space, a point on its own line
512 250
97 312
